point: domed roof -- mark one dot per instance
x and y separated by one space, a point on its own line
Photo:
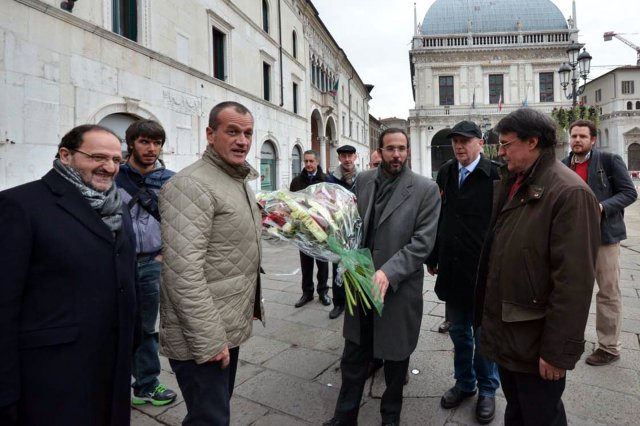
489 16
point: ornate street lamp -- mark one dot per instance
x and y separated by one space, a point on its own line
578 66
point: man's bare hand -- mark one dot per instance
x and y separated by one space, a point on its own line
222 356
380 279
549 372
432 271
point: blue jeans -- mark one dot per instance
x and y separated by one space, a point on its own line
470 367
146 363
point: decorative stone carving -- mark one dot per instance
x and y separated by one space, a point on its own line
131 105
181 102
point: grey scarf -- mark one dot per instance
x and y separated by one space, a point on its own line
346 177
107 204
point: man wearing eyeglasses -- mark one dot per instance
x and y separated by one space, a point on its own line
139 183
536 270
68 298
466 189
400 212
344 175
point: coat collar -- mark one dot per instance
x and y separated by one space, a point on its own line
244 172
70 200
593 167
532 181
402 192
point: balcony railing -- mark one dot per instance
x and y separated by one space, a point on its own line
454 110
463 41
323 99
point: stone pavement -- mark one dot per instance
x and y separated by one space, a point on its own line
289 371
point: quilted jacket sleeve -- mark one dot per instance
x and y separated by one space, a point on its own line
187 210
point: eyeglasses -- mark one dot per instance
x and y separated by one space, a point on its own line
100 158
392 149
505 145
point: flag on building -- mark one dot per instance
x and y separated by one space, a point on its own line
525 103
334 90
500 103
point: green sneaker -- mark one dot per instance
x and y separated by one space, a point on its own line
158 397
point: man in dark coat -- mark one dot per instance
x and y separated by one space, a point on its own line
310 175
536 271
400 218
67 299
466 189
344 175
608 177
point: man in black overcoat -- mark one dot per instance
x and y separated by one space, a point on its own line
67 294
311 174
466 189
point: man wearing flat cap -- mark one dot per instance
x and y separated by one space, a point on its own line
345 176
466 188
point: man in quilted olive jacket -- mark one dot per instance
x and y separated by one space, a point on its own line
210 290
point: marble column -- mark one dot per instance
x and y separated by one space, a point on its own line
323 153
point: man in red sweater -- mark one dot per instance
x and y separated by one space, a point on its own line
608 177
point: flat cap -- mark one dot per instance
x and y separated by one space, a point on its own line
346 149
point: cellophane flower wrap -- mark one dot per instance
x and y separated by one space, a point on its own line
323 222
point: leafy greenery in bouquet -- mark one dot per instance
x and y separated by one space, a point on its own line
323 222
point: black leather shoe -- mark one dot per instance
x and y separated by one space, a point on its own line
444 327
324 299
485 409
454 396
395 423
336 311
336 422
303 300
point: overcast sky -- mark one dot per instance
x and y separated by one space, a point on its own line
376 36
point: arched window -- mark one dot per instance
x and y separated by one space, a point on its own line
629 105
296 161
634 156
294 44
268 158
637 104
118 124
265 16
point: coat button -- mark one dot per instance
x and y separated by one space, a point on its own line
121 289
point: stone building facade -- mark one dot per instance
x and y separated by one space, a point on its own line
479 61
615 94
116 61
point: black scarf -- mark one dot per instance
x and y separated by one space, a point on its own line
385 187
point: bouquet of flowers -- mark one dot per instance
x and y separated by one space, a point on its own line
323 222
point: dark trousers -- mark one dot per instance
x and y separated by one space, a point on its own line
355 368
206 389
306 266
531 400
337 290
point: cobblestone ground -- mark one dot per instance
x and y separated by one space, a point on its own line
289 371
